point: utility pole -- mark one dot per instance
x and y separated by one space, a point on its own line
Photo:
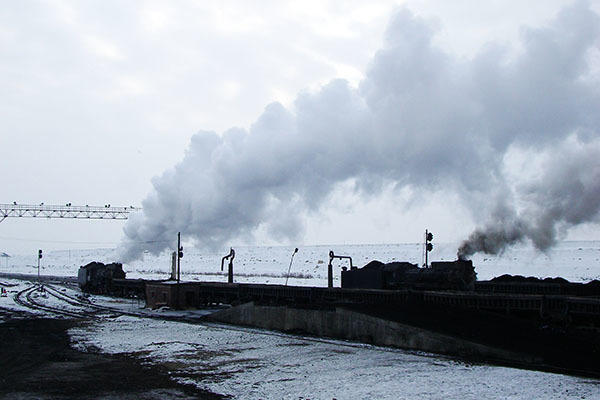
39 258
179 255
290 267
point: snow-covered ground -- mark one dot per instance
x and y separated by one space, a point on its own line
249 363
575 261
254 364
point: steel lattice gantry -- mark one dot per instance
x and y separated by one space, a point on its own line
66 211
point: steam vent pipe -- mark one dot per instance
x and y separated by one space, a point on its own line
229 257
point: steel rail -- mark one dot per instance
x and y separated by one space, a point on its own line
32 304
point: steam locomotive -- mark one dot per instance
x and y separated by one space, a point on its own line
99 278
441 275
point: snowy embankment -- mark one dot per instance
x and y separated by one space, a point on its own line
254 364
251 363
575 261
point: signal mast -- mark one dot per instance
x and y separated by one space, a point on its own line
428 246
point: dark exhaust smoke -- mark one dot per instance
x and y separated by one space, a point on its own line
565 193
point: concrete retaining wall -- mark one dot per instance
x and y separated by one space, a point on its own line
350 325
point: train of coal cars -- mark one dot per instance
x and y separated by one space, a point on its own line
101 278
457 275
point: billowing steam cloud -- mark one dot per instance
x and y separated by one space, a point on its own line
420 115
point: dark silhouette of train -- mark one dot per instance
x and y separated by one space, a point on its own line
459 275
441 275
99 278
102 278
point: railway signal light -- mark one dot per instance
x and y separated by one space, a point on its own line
428 239
179 256
428 245
39 258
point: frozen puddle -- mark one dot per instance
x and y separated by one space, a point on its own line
247 363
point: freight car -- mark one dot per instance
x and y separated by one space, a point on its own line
533 285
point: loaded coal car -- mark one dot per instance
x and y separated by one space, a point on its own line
97 277
441 275
533 285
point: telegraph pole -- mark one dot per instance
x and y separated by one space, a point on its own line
39 258
179 255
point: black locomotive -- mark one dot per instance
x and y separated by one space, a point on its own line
441 275
97 277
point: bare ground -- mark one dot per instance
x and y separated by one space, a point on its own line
37 362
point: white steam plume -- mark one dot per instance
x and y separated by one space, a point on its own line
420 115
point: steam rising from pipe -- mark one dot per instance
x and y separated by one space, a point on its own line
515 135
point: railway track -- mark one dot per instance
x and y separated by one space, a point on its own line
85 303
113 312
25 299
87 309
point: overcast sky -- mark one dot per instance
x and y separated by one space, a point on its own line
99 97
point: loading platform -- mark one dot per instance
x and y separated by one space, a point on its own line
200 294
